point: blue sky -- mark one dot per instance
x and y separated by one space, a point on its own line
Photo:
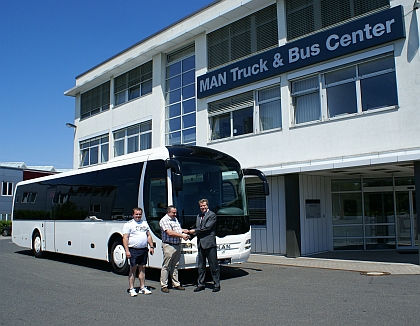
44 45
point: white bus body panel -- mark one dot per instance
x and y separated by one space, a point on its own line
23 230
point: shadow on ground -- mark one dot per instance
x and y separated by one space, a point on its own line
187 277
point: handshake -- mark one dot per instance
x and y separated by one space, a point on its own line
187 234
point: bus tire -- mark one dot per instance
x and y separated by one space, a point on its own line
118 259
37 245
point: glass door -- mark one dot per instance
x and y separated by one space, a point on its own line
406 214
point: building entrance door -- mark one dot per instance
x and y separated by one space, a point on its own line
406 214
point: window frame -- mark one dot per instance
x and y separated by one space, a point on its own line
180 127
322 89
6 188
95 100
308 17
125 137
235 104
243 38
135 79
259 103
99 142
255 195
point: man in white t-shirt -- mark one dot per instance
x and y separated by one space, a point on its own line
136 236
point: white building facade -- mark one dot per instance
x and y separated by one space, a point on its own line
319 95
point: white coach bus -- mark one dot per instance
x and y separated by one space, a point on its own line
82 212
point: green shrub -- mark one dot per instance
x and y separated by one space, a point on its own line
5 223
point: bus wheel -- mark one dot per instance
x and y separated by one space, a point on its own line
36 245
118 258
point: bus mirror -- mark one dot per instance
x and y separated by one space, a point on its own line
266 188
176 174
260 175
177 181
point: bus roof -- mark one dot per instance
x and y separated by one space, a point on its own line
157 153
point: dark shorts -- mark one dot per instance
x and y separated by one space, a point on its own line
138 256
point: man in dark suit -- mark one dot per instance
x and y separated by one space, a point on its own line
205 230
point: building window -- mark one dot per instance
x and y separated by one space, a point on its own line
269 108
133 139
252 34
368 85
256 204
7 188
235 116
94 150
133 84
95 101
180 101
308 16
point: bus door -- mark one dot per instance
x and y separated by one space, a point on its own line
70 206
93 227
155 199
47 234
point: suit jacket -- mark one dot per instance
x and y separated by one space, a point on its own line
206 230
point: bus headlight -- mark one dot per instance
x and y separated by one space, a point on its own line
248 244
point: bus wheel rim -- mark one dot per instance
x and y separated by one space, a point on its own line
37 244
119 256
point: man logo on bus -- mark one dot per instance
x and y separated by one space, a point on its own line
223 247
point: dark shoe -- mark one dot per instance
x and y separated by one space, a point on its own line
165 290
199 288
181 288
216 289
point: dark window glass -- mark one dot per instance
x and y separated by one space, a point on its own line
243 121
256 204
114 193
188 106
341 99
155 194
379 91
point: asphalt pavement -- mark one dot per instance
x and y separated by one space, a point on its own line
65 290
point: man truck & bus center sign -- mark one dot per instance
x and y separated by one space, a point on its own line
367 32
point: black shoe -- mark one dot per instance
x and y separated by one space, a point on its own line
181 288
216 289
199 288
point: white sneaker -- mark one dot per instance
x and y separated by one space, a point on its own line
133 292
145 291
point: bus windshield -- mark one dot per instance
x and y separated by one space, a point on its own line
222 184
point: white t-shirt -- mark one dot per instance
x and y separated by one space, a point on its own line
137 233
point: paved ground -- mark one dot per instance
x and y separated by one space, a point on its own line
372 262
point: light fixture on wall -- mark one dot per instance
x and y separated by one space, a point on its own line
70 125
